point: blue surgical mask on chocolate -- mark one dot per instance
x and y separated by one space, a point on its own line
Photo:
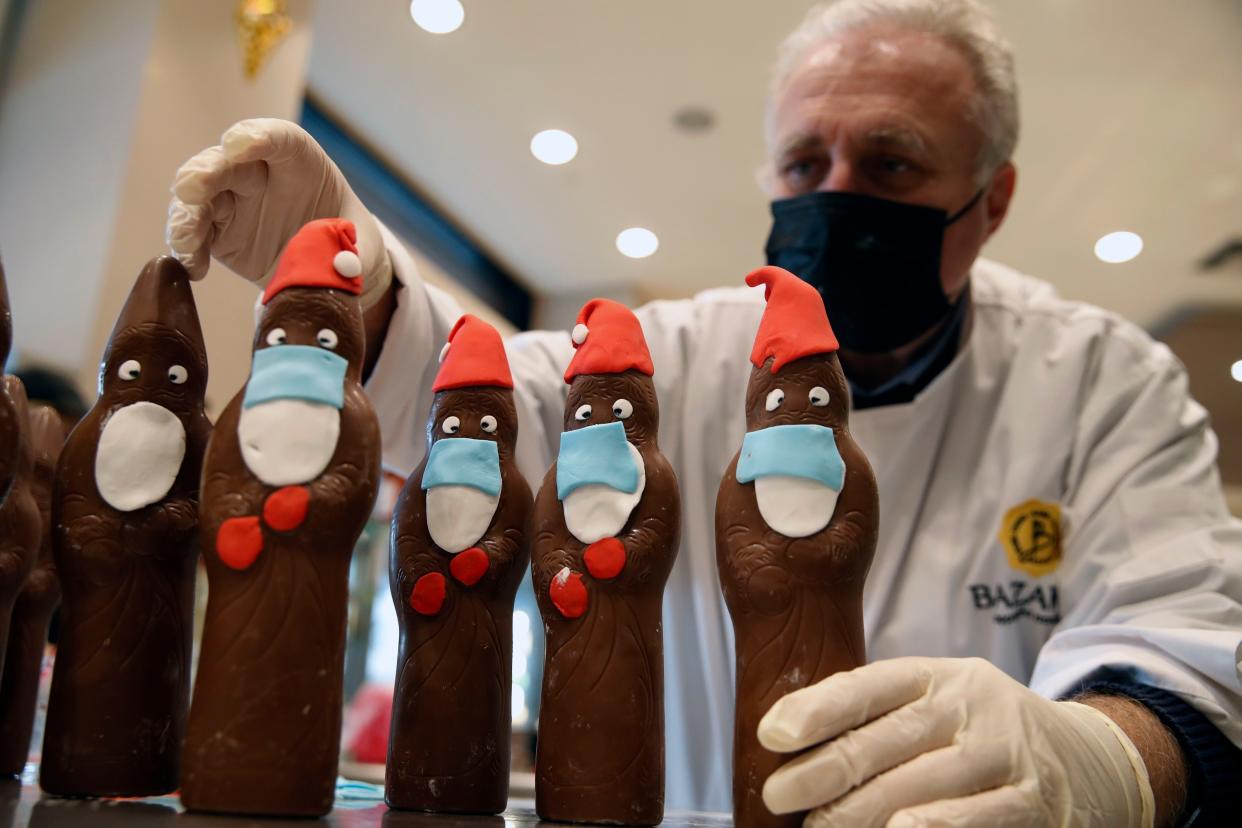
800 450
875 261
595 454
296 372
463 461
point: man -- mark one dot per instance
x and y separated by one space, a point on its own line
1049 498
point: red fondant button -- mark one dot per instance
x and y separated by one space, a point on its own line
428 594
568 593
285 509
605 558
469 566
239 542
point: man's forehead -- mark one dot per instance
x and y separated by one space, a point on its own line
886 52
893 86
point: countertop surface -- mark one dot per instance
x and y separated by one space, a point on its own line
358 805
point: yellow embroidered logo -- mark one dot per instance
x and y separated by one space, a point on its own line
1031 535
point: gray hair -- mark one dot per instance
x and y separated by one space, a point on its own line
966 25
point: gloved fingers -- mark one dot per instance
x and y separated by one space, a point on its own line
841 702
188 183
209 173
273 140
832 770
223 208
226 246
198 261
948 773
1004 807
187 233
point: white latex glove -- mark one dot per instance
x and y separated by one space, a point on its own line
949 742
242 200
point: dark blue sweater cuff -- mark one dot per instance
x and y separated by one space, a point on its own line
1214 763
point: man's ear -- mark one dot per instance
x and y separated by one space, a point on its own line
1000 193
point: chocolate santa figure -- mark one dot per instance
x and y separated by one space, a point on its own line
10 423
458 553
23 663
20 527
125 514
607 522
796 522
288 484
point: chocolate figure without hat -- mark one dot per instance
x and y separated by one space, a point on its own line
607 523
125 512
10 424
20 525
23 662
796 522
458 553
289 481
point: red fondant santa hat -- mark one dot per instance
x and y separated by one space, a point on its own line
473 356
794 323
323 254
608 340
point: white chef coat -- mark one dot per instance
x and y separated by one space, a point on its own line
1049 401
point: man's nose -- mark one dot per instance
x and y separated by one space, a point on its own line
842 177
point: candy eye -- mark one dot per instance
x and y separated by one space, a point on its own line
583 413
177 375
819 395
775 397
276 336
622 409
129 370
488 423
451 425
327 338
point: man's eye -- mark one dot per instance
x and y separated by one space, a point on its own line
803 173
893 166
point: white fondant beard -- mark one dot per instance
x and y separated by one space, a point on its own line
457 516
139 455
596 511
285 442
795 506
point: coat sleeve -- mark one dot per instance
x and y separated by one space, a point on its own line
1152 578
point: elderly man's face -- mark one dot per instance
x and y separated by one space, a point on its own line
887 113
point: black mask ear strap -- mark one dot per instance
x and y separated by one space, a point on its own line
973 201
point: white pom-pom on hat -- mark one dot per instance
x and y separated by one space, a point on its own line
579 333
444 351
347 263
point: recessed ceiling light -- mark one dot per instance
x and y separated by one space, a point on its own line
1235 370
554 146
437 16
637 242
1118 247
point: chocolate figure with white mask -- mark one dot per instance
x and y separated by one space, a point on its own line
796 521
20 526
289 481
459 549
125 516
607 524
23 662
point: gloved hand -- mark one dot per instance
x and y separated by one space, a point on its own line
242 200
951 742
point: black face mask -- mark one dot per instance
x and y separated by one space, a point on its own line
876 263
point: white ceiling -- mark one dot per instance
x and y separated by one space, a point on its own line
1132 119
